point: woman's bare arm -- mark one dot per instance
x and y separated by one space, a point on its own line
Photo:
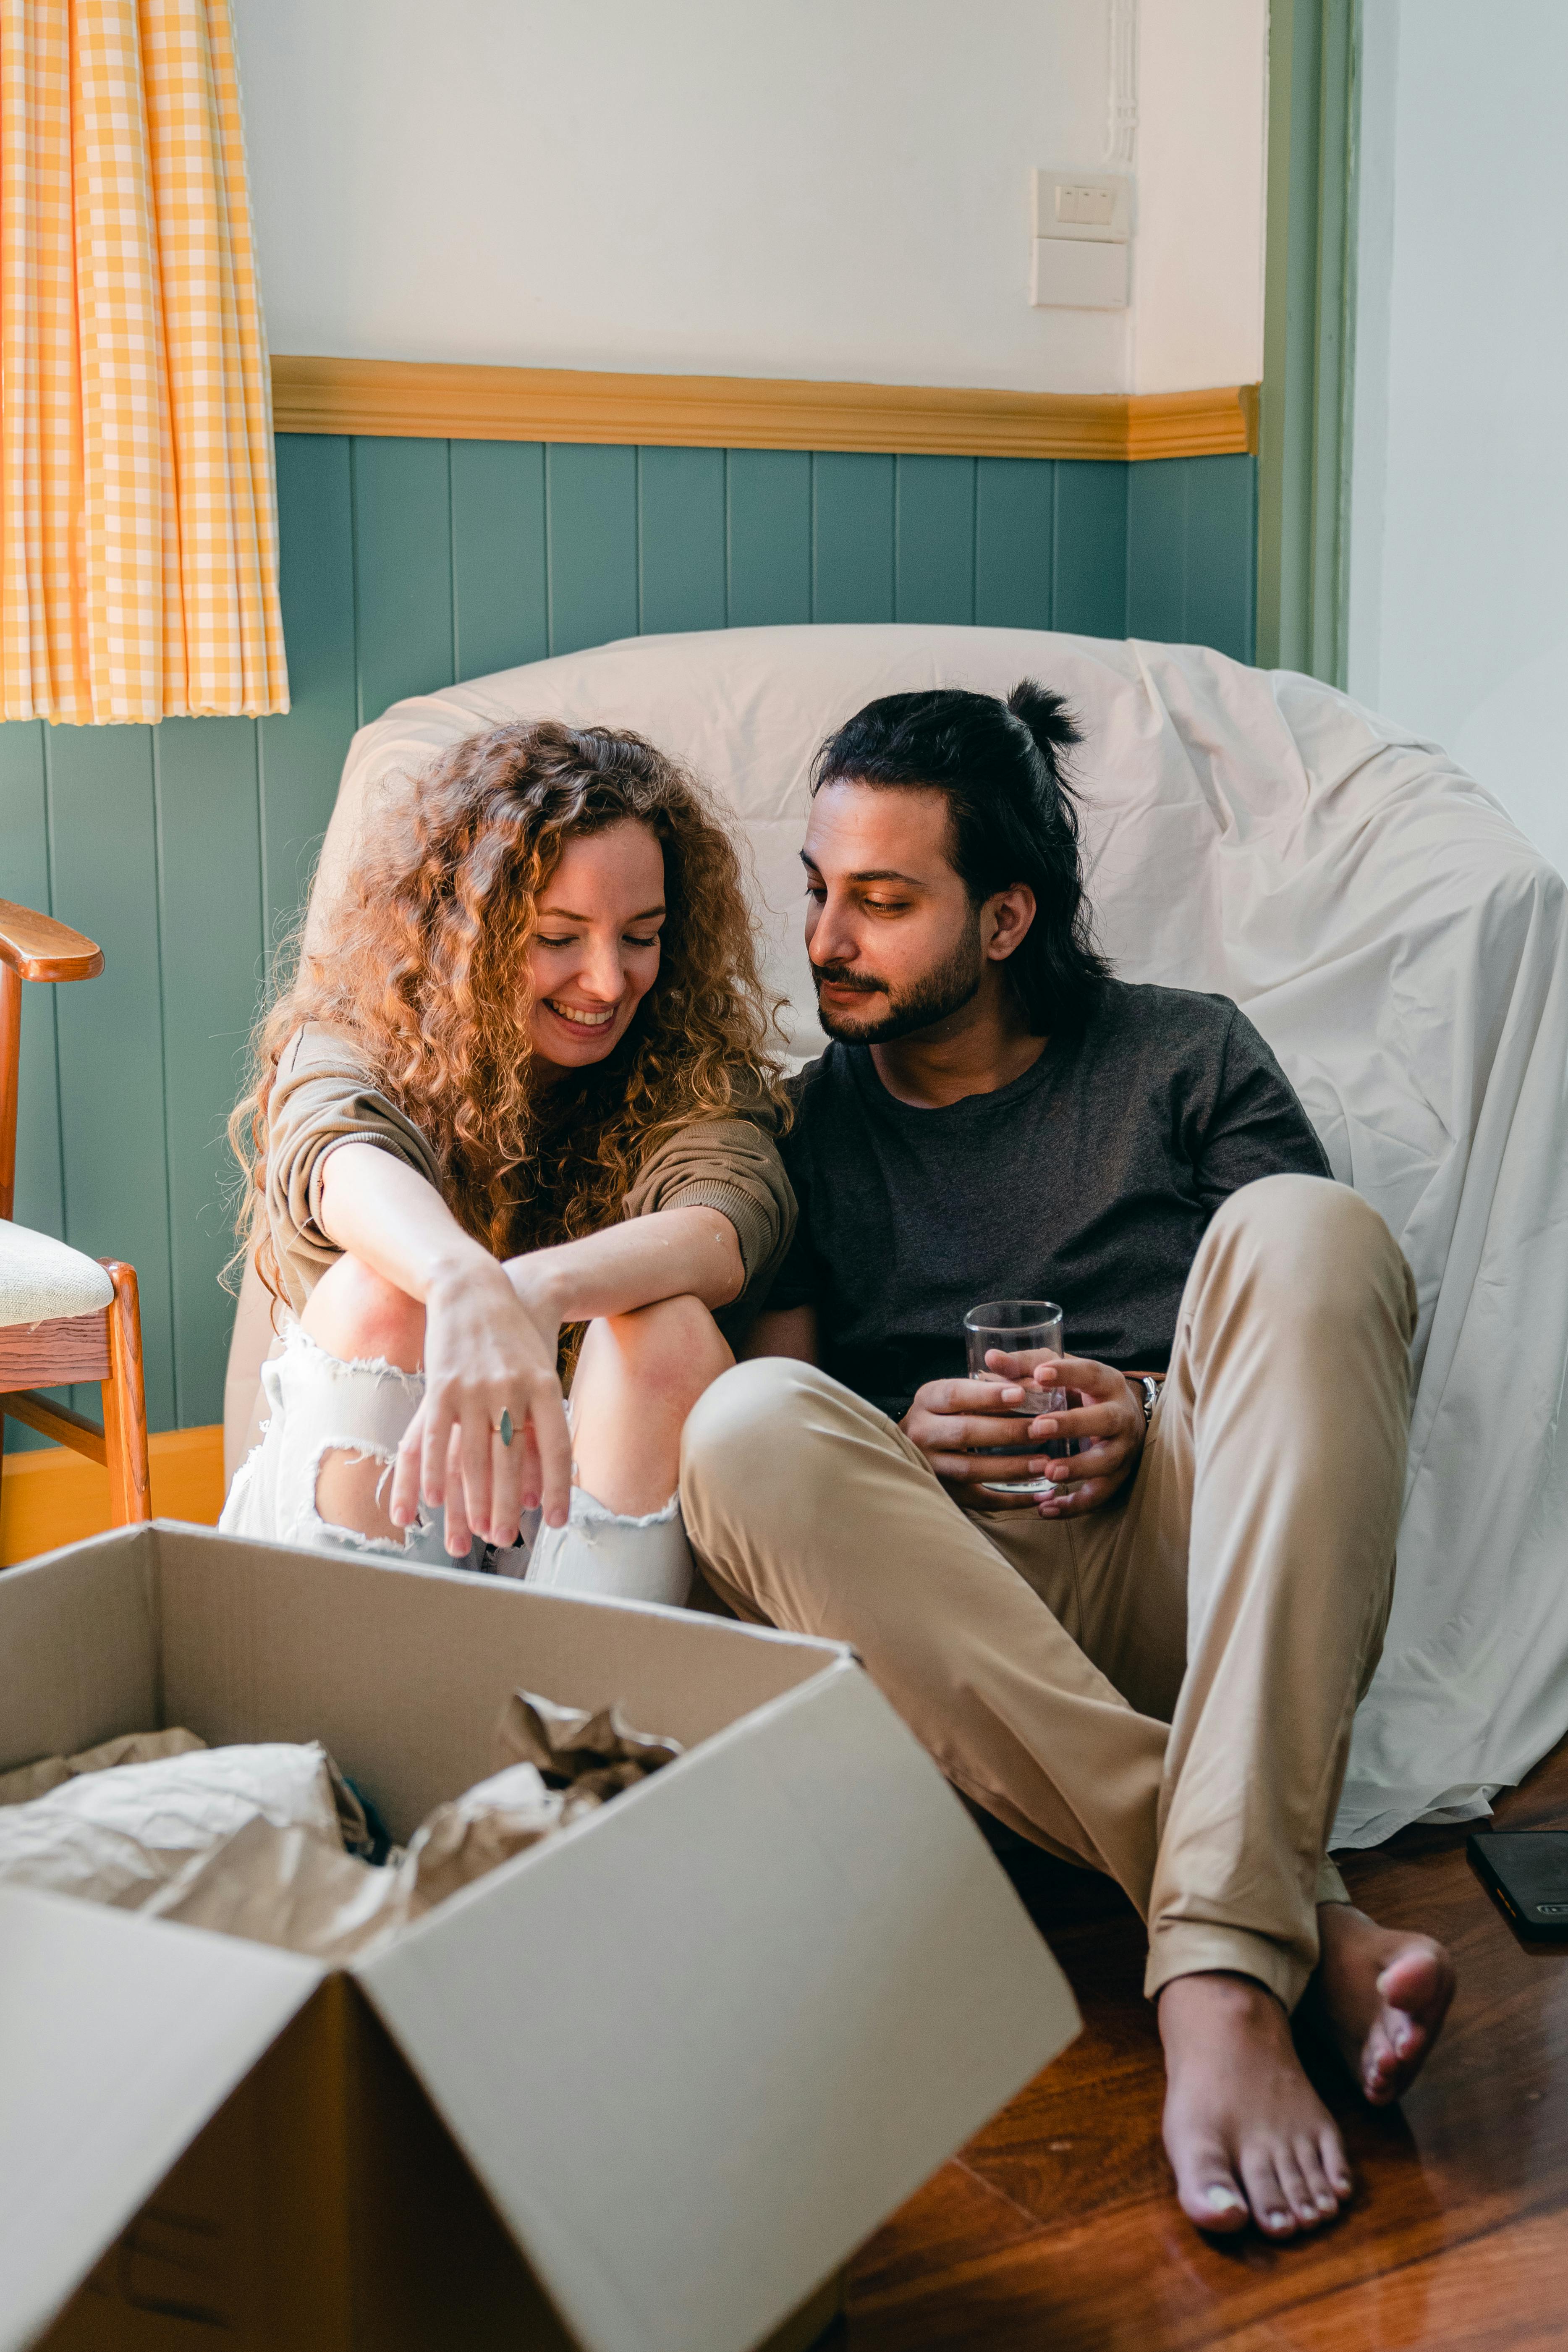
485 1353
669 1254
491 1331
382 1211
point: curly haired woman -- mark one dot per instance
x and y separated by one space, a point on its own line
521 1085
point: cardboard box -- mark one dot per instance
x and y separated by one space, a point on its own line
643 2089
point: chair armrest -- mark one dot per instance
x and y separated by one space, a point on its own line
38 948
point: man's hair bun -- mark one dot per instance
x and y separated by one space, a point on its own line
1047 719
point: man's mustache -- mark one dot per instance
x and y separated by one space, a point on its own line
841 976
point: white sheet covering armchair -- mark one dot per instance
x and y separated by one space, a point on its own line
1396 941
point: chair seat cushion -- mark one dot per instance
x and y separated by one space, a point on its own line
41 1278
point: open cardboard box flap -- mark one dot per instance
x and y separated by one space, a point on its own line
769 2005
117 2043
695 2048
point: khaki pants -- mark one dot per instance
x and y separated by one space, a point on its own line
1161 1689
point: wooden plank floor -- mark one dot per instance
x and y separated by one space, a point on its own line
1057 2231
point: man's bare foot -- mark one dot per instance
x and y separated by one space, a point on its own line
1247 2134
1382 1994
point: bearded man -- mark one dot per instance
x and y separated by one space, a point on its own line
1151 1668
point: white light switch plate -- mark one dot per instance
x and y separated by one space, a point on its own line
1084 207
1078 276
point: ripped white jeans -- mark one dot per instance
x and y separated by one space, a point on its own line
321 1406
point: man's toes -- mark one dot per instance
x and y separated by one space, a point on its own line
1380 2066
1393 2054
1309 2164
1219 2206
1208 2191
1303 2204
1419 1986
1270 2206
1336 2165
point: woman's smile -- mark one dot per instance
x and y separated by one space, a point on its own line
582 1016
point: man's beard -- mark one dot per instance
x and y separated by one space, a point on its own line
945 991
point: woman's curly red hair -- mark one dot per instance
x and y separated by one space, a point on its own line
423 963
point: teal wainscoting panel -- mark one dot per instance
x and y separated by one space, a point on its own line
851 537
680 540
1156 550
210 939
302 750
1221 542
500 611
103 857
1191 552
934 512
1090 586
25 880
403 570
1015 542
767 495
591 498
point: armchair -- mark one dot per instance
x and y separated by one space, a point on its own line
63 1316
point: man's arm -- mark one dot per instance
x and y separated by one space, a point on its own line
1255 1124
783 1331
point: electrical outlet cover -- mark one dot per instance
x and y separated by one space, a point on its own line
1079 276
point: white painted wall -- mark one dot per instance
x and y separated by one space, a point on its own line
1458 604
756 187
1197 258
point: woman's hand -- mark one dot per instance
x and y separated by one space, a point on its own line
490 1347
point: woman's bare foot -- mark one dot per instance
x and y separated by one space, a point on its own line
1247 2134
1382 1995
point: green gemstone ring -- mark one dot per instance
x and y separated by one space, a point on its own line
504 1430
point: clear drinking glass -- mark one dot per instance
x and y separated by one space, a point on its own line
1031 1328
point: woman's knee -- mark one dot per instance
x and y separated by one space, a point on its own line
352 1491
672 1348
357 1314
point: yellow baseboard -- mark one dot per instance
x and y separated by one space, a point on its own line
55 1496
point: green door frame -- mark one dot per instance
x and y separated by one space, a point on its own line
1303 483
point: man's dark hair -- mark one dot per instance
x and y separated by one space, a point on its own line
1012 814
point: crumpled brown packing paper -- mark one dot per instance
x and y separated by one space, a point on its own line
289 1882
31 1780
285 1886
595 1755
117 1835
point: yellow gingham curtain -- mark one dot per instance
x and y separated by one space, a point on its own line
138 516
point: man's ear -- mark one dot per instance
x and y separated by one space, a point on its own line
1005 918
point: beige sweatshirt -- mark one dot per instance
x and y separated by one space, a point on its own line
327 1093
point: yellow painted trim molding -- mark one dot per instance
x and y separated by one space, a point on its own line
54 1497
434 401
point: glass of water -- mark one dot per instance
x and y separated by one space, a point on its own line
1030 1327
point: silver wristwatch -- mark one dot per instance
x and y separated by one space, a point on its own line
1151 1388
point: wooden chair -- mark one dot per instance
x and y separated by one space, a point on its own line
63 1316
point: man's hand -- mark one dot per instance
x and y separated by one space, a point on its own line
951 1421
1105 1415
